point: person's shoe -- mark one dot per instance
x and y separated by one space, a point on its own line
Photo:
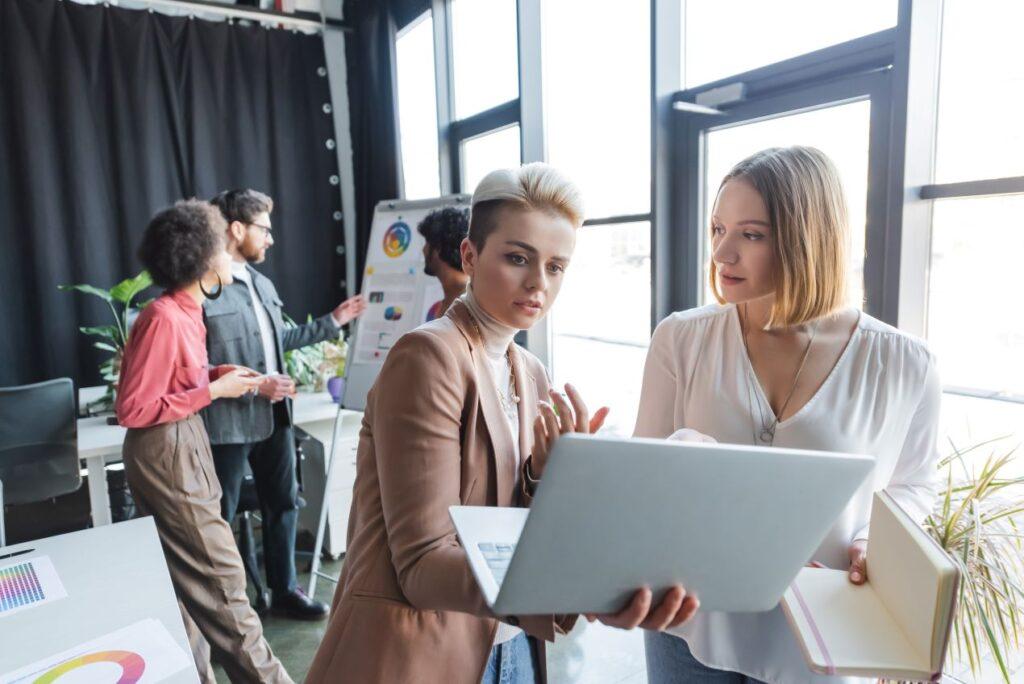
298 606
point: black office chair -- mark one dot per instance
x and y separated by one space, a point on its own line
38 443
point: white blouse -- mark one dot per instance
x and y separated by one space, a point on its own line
881 398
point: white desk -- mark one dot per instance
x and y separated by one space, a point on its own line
114 576
100 444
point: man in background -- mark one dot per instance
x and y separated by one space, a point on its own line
245 326
444 230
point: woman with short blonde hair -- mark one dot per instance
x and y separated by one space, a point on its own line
460 415
783 360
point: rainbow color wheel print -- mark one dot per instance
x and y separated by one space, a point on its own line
435 311
132 666
397 239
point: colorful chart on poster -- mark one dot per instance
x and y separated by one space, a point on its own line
28 584
397 239
393 313
132 666
435 311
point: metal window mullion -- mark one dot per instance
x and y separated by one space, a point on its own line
665 215
985 187
914 110
531 135
445 92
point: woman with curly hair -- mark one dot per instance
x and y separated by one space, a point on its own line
165 381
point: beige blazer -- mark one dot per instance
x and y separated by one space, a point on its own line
407 608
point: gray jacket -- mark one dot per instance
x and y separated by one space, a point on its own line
233 336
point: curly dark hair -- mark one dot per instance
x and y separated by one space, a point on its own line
180 241
444 230
242 205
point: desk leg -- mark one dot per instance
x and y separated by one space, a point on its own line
99 496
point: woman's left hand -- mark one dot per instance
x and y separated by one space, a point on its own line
859 561
549 424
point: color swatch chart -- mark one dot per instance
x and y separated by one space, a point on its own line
19 586
27 584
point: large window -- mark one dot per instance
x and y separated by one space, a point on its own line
981 91
417 108
484 54
974 320
596 76
485 153
726 37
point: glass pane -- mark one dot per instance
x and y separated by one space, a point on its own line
967 421
417 109
981 91
726 37
485 53
601 323
597 101
841 132
480 156
974 322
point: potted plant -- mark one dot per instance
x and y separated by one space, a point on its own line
319 366
113 338
978 520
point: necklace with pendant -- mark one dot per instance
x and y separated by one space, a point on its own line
768 427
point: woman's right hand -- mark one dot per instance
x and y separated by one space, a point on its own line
235 383
550 424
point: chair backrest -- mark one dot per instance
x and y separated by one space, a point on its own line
38 441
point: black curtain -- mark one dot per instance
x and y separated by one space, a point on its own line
370 55
106 116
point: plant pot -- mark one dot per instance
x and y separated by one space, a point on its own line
335 387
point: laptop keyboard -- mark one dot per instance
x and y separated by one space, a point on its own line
498 556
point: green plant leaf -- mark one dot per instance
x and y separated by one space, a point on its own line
88 289
126 290
108 332
105 347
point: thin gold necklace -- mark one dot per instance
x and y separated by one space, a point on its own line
767 434
511 372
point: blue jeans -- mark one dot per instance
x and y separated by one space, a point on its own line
669 661
512 662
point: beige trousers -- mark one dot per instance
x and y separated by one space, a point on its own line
169 469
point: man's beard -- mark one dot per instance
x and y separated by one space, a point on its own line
253 256
428 269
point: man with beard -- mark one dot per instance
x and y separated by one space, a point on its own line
245 326
444 230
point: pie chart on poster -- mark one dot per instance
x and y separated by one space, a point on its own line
435 311
393 313
397 239
96 667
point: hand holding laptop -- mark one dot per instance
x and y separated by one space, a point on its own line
675 608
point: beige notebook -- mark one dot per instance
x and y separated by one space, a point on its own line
896 625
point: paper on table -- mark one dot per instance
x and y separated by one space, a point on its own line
138 654
27 584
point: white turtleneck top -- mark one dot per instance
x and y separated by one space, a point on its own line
497 337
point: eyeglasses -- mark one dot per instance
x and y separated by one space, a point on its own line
266 229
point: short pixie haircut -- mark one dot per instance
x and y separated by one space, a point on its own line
444 230
806 205
532 186
242 205
180 242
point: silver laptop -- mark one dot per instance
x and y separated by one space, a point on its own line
733 524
